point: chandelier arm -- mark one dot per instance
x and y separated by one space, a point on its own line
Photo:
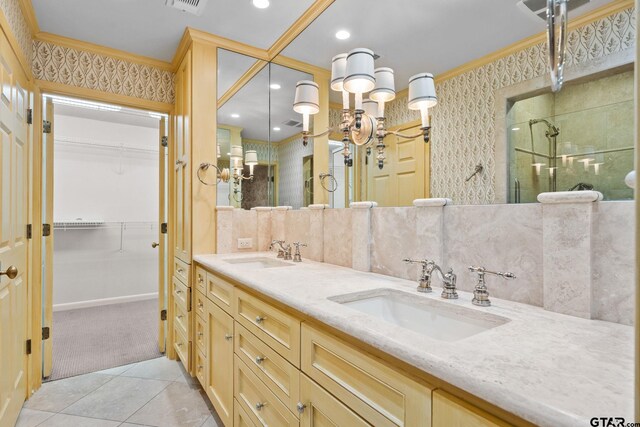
401 135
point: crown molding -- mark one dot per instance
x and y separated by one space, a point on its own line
30 16
102 50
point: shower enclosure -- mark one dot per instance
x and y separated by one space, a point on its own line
578 139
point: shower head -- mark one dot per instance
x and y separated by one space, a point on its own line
552 130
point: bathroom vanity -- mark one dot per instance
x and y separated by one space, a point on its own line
282 343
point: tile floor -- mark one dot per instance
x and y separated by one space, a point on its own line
156 392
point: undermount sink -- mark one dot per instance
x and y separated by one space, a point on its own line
258 262
432 318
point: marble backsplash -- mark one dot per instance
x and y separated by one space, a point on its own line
591 277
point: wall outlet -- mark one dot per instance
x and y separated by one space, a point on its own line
246 243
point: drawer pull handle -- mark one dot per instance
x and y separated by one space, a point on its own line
179 344
200 368
180 270
200 306
260 405
301 407
228 337
180 316
178 291
200 279
260 359
260 319
200 334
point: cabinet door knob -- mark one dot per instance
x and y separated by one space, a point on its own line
260 405
260 319
11 272
228 337
200 334
155 245
300 407
260 359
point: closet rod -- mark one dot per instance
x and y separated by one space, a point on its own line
105 146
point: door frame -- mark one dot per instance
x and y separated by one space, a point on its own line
34 298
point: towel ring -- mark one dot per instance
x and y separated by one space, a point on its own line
334 181
222 175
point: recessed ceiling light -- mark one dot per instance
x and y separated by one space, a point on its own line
343 35
515 128
274 86
261 4
276 128
235 115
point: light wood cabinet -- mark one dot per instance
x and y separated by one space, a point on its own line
278 329
378 393
220 291
321 409
181 167
450 411
219 355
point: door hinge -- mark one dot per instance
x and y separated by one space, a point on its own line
46 332
29 231
28 346
46 126
29 116
163 228
165 141
163 314
46 230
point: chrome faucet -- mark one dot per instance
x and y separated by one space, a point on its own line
480 293
284 250
424 283
297 257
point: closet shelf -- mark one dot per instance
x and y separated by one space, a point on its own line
98 224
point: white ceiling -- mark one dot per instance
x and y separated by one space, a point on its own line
231 66
413 36
149 28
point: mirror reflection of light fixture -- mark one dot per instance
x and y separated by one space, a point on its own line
250 159
354 72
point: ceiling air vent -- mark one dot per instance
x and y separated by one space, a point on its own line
293 123
195 7
539 7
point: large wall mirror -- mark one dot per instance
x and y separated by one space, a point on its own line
491 134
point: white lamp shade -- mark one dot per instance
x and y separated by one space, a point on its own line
359 74
251 157
385 88
307 99
338 69
236 151
422 91
370 107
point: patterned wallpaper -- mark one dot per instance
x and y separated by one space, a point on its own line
262 150
290 172
100 72
464 120
18 25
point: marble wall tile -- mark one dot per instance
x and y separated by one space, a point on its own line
497 237
264 228
430 233
245 224
361 245
393 238
315 251
567 258
224 227
337 237
298 229
613 258
278 224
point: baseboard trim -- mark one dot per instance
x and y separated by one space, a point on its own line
104 301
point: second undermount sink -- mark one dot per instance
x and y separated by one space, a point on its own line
258 262
435 319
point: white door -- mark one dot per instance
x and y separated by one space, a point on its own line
13 227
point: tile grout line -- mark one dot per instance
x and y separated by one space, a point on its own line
147 402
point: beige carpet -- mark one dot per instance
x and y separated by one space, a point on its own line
96 338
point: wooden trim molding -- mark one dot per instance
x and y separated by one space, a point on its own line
596 14
299 26
102 50
30 16
97 95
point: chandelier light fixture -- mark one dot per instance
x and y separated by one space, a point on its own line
355 73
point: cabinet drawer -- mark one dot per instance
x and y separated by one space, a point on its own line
200 335
181 294
181 270
240 416
281 377
322 409
262 406
278 329
379 394
201 280
201 368
182 346
220 292
449 411
200 304
182 318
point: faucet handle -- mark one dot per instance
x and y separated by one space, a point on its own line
483 271
424 262
298 245
297 257
480 293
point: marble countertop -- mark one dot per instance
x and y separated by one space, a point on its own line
547 368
